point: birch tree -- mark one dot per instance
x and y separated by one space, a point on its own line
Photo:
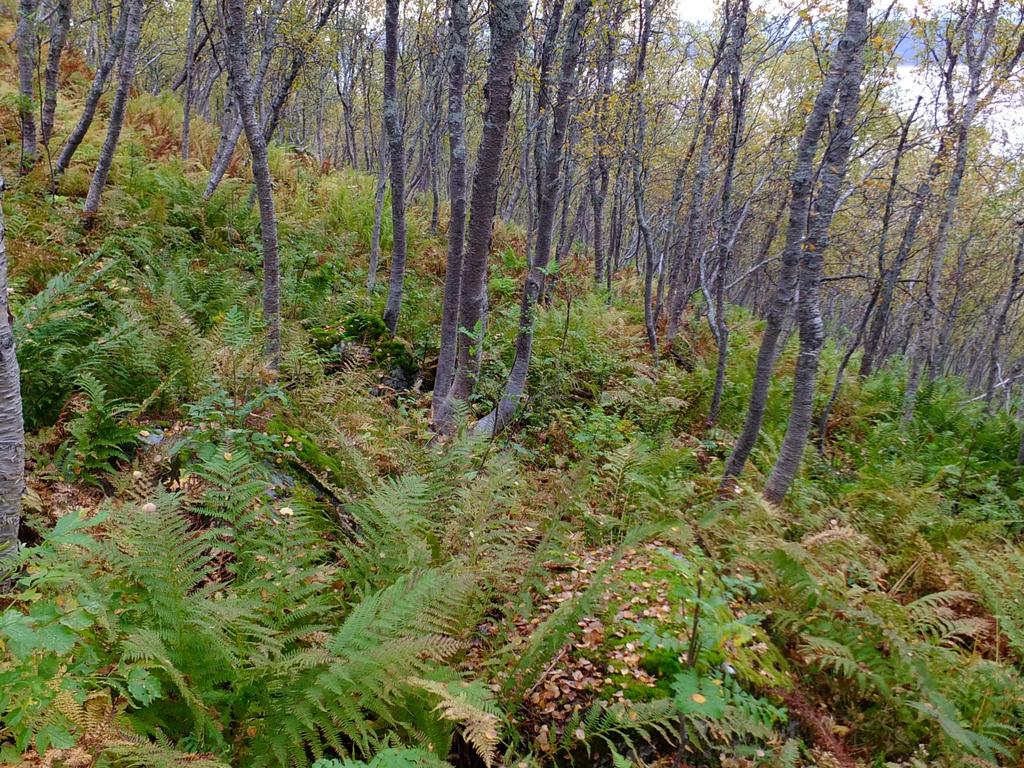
812 332
546 207
26 41
242 92
99 82
58 36
126 74
12 426
977 27
736 15
396 158
459 40
1010 296
801 188
505 20
190 44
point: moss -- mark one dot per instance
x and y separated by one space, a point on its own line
394 353
326 337
366 327
314 459
636 691
661 662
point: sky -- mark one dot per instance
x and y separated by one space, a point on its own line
1005 119
704 10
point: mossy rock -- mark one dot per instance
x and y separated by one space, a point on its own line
395 353
366 327
326 337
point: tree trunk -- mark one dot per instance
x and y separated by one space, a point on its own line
193 59
12 426
976 53
506 19
378 215
693 239
231 127
126 74
547 204
801 187
92 100
26 42
59 35
241 84
459 42
891 276
396 155
190 44
716 308
951 314
812 332
883 240
1000 326
639 209
297 63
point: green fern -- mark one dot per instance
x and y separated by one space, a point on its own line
96 436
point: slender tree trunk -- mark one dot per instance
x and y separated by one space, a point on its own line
976 53
639 180
597 198
565 202
396 154
547 204
812 332
298 61
459 41
126 74
951 314
231 126
51 76
999 329
553 25
522 179
26 42
668 245
837 387
506 19
93 55
693 239
720 328
12 426
92 100
576 229
192 60
883 240
600 176
230 132
241 85
190 44
801 187
891 276
378 215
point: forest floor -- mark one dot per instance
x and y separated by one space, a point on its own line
234 568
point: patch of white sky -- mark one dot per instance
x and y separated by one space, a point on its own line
1005 119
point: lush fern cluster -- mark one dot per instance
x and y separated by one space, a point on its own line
227 635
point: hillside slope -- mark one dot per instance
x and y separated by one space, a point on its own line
231 568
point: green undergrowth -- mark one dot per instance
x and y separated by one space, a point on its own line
234 568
